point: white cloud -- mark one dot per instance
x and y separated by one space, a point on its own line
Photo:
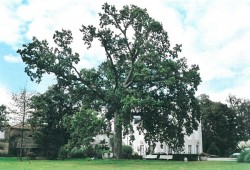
10 24
214 34
12 59
5 96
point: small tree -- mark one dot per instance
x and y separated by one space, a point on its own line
21 110
3 114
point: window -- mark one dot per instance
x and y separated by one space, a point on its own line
197 149
189 149
141 149
170 150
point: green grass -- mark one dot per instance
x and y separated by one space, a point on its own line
14 164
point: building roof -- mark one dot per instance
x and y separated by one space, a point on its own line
19 126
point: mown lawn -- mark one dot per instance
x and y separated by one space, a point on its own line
14 164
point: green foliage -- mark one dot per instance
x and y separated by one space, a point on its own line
219 125
77 153
85 152
46 121
247 158
136 156
127 151
141 75
213 149
62 154
244 156
82 127
242 110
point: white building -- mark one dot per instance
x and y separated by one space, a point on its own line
192 145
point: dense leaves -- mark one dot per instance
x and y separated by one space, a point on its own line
82 127
47 118
141 75
219 126
242 109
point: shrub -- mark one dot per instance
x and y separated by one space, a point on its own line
180 157
90 152
127 151
98 154
247 157
244 156
62 153
77 153
213 149
136 156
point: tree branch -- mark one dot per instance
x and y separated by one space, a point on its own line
112 63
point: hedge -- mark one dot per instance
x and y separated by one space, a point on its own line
190 157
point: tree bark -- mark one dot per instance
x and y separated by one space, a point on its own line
117 136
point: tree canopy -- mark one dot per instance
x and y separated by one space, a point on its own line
47 120
242 109
142 75
219 127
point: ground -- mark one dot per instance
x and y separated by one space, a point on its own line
14 164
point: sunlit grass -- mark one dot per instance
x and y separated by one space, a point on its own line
14 164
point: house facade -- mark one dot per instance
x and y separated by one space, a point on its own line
192 144
10 140
11 137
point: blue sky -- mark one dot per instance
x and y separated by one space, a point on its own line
215 34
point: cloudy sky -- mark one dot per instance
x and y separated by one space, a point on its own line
215 34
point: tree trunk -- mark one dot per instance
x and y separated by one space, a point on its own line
24 112
117 136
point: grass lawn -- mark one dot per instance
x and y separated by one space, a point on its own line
14 164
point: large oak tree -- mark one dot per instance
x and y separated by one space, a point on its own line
142 75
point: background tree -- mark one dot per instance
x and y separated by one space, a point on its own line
242 109
47 120
219 126
3 114
141 75
213 149
21 111
82 127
